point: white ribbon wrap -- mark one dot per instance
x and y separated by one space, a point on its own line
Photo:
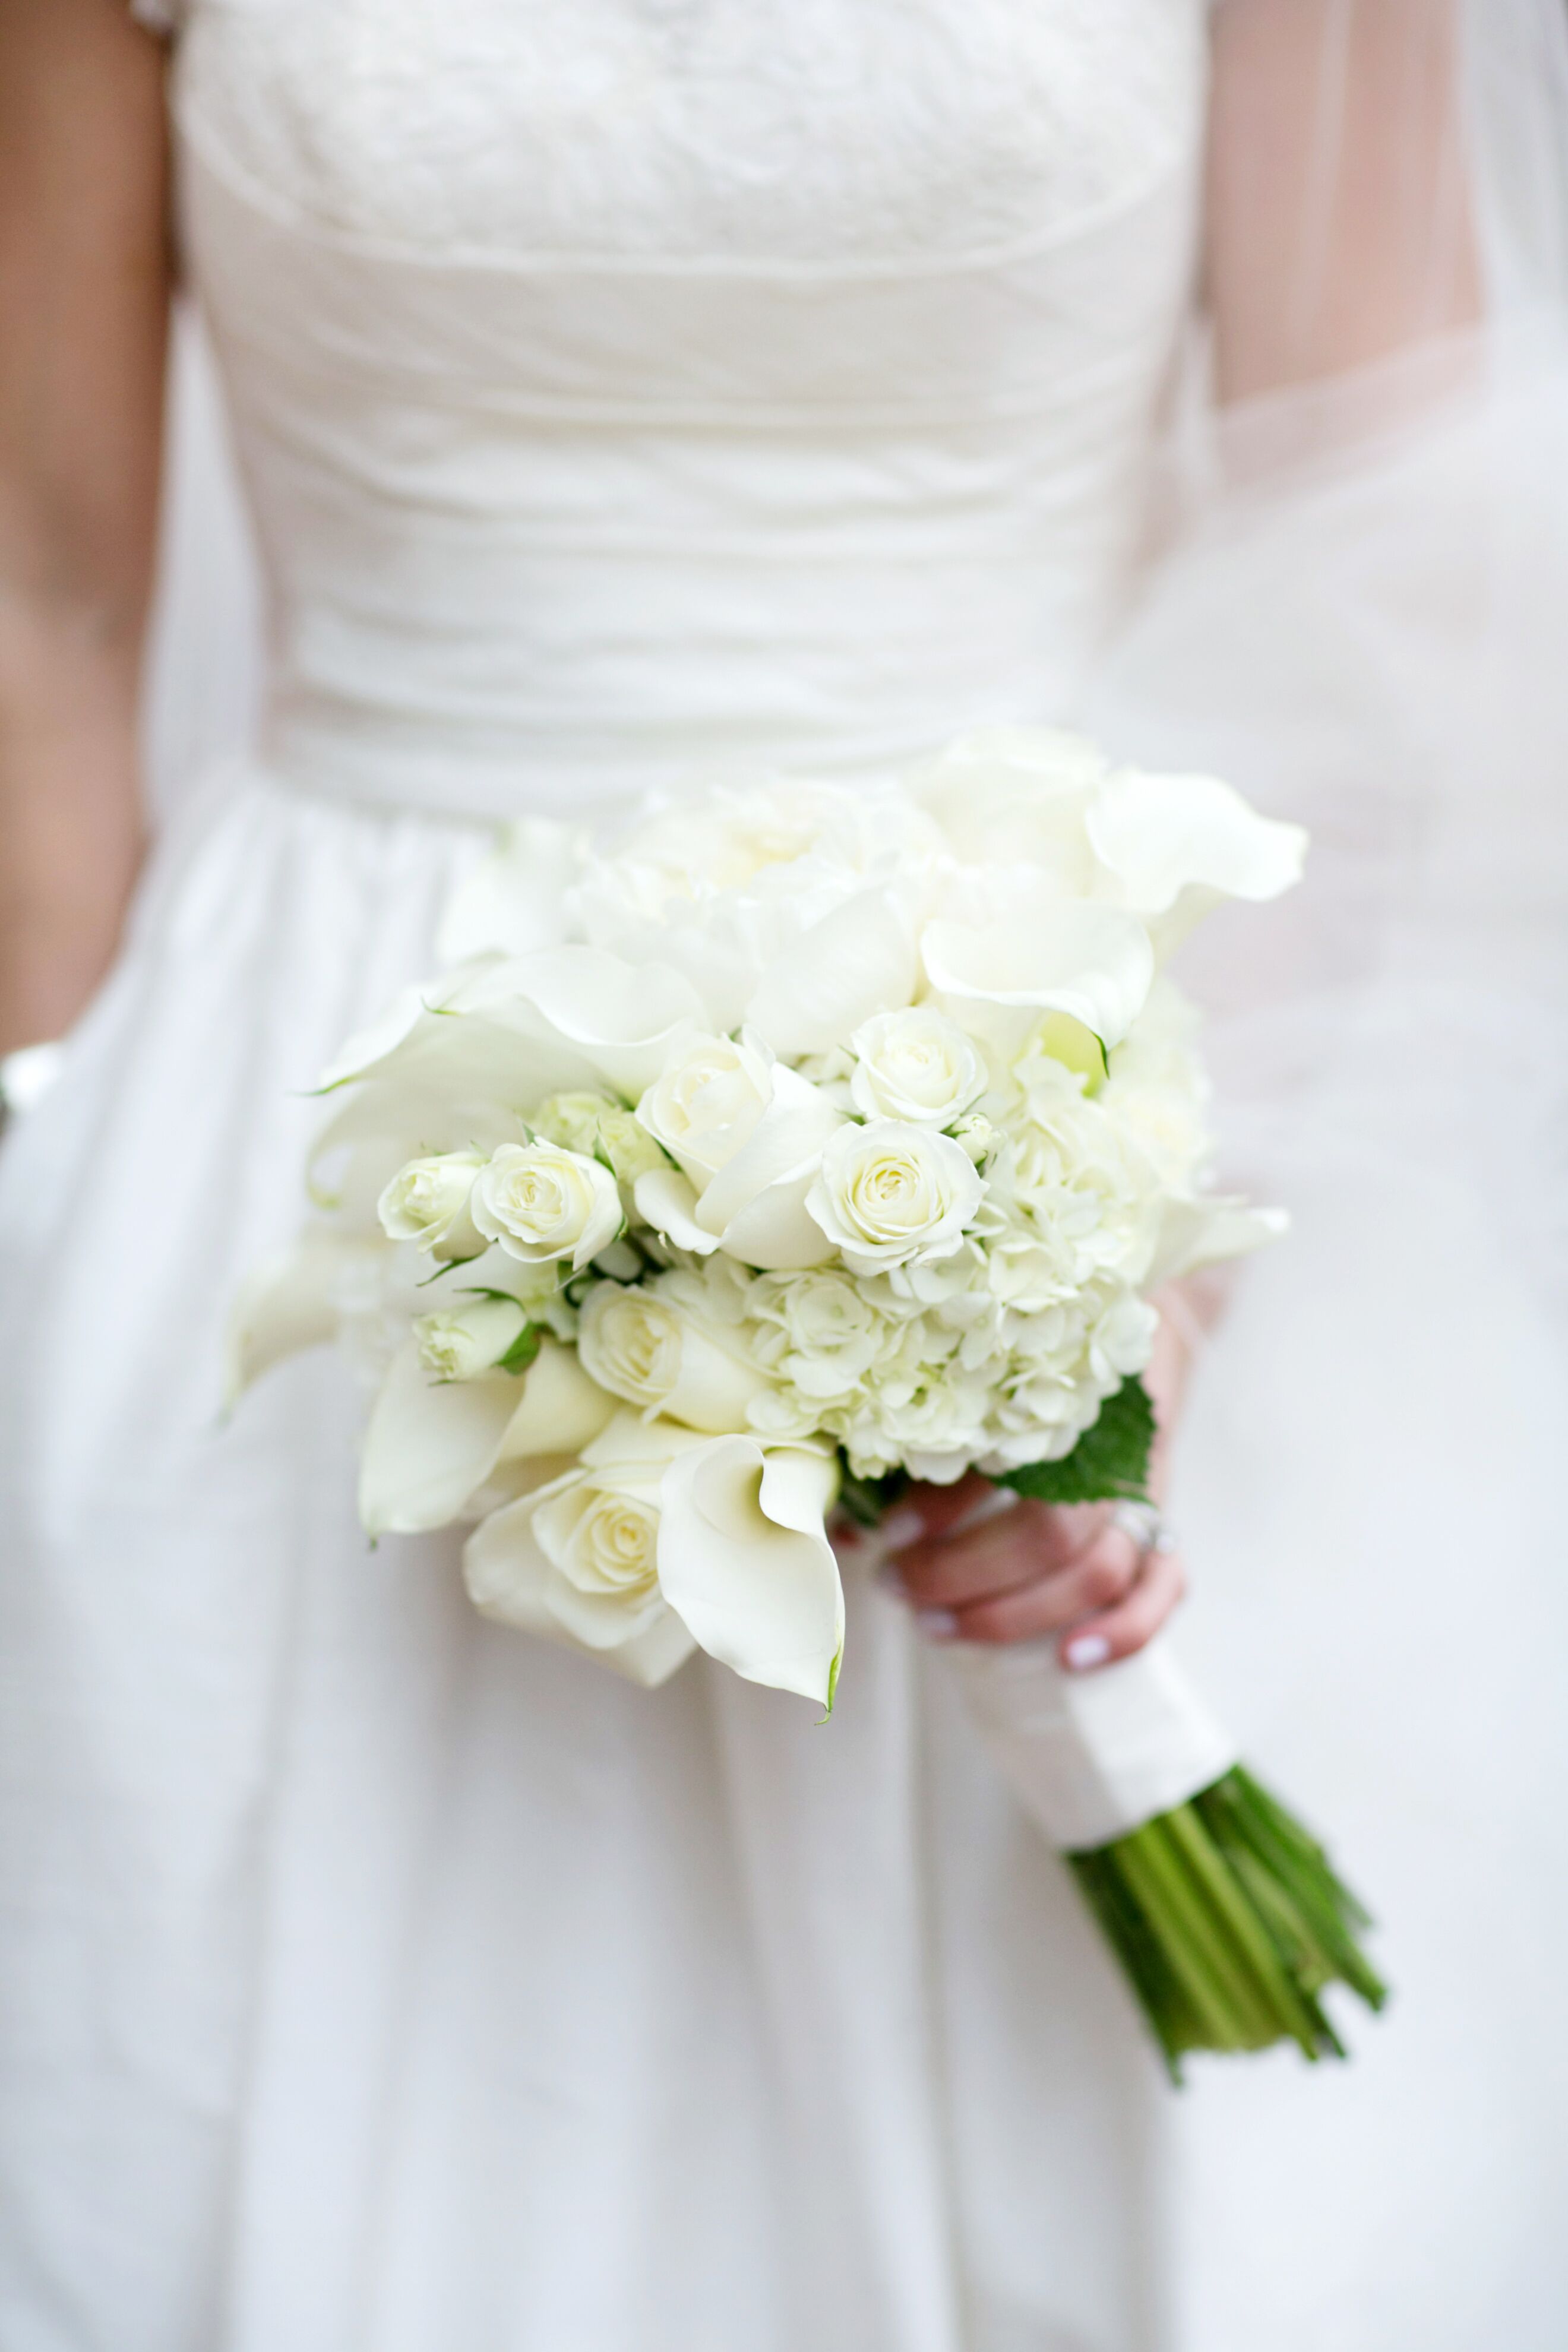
1093 1754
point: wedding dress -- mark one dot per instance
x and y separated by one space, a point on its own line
633 389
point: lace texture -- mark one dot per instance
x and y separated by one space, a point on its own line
783 130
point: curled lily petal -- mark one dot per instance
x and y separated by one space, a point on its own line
745 1560
1161 836
430 1445
560 1410
626 1020
1208 1228
1093 962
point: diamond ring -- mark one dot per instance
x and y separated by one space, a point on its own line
1143 1523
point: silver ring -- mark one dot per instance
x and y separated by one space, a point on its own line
1143 1523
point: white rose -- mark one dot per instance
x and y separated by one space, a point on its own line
428 1201
890 1193
541 1204
749 1135
461 1342
577 1560
706 1105
660 1357
915 1064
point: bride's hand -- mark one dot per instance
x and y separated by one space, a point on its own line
1015 1575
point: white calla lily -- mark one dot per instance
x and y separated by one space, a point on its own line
1166 840
1205 1229
432 1443
625 1020
561 1409
1092 963
745 1560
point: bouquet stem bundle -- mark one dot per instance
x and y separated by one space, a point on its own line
1229 1922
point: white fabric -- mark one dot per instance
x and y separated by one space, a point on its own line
623 385
1366 1480
1091 1754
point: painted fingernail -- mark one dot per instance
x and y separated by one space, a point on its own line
901 1528
1088 1649
937 1625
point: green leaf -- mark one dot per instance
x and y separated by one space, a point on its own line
450 1265
522 1351
1108 1464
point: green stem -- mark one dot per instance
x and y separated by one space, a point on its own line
1229 1921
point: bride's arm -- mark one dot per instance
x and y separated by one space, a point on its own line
1338 222
1338 233
84 294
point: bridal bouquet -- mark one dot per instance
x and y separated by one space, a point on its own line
810 1139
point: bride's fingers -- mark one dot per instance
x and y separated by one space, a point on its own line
1017 1547
1117 1631
1097 1581
925 1512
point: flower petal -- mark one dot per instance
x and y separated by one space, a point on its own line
509 1577
1162 835
430 1445
451 1085
857 960
1093 962
1206 1229
624 1019
756 1203
560 1410
289 1303
667 1201
744 1562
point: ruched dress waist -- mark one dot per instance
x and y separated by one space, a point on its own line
538 533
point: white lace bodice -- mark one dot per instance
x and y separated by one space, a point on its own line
802 131
627 385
